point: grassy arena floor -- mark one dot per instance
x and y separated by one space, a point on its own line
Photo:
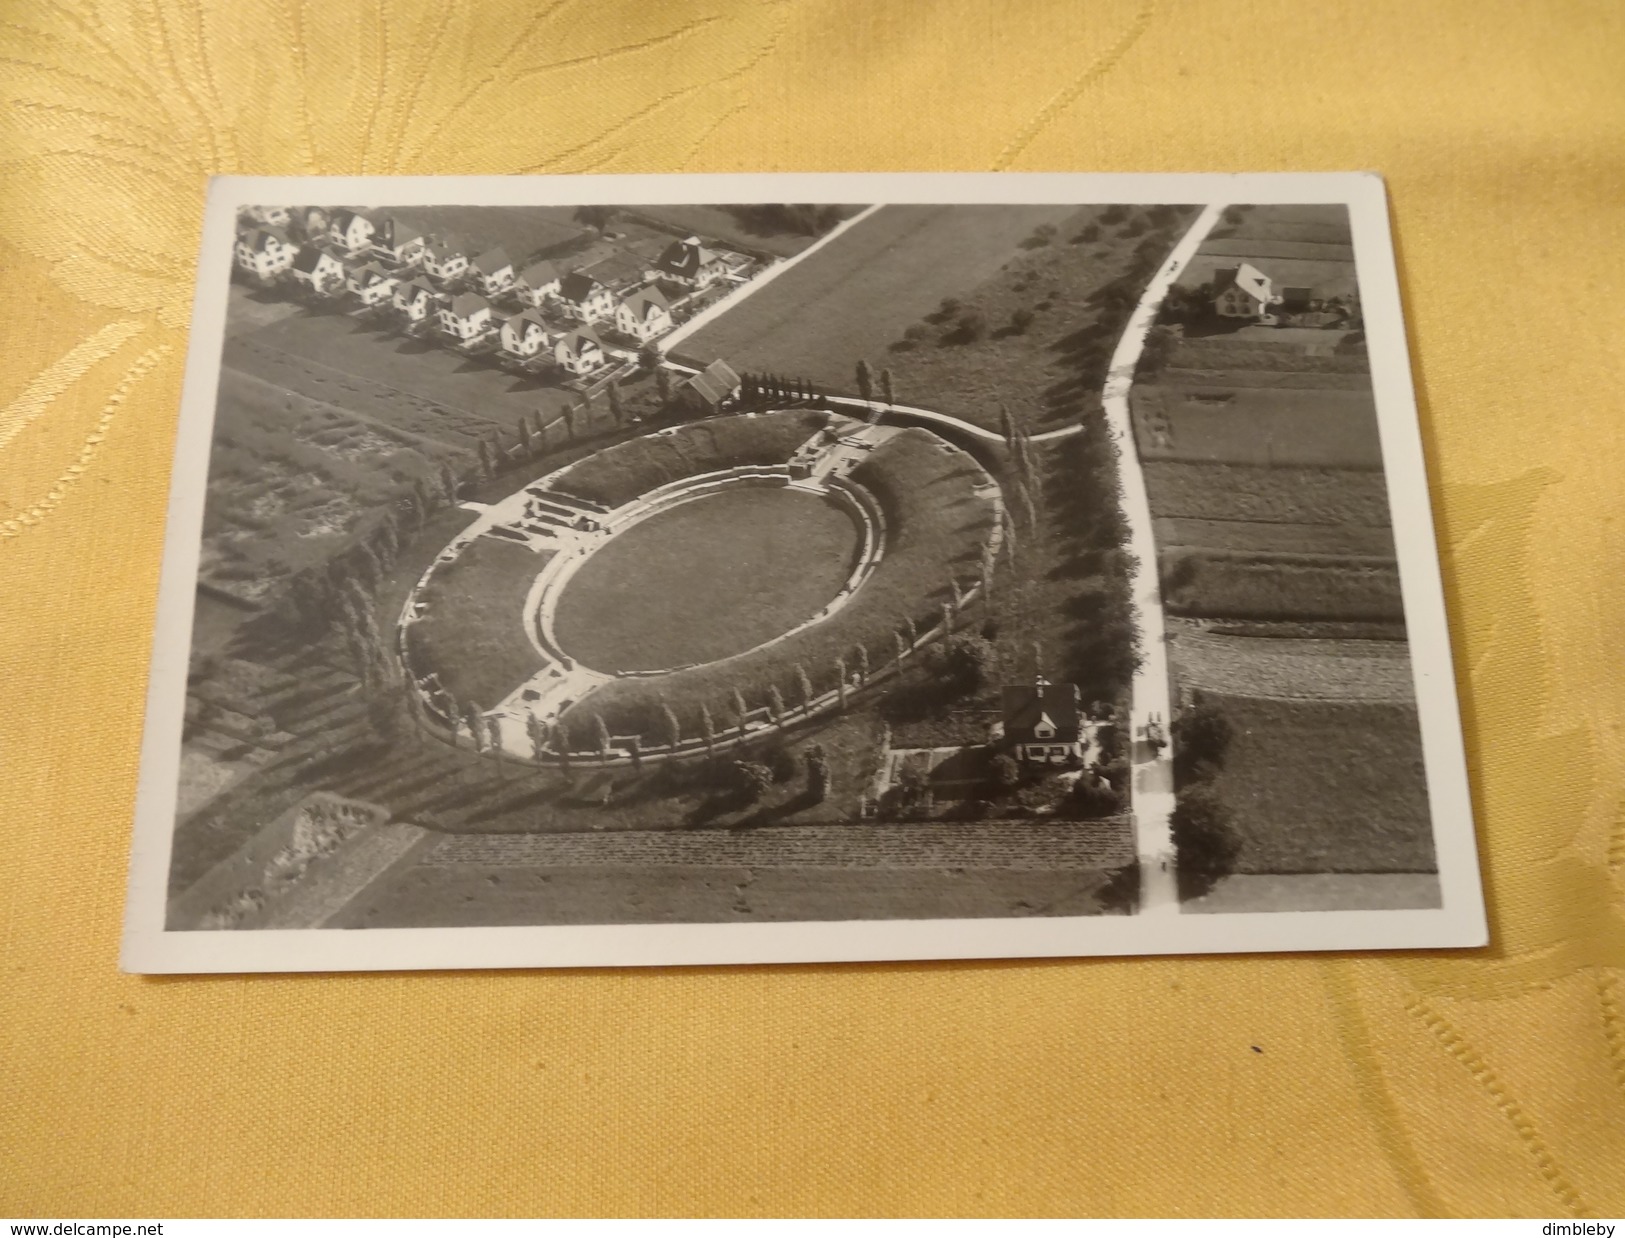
706 580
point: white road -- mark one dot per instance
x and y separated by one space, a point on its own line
1153 772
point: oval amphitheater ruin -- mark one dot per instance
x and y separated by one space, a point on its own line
921 524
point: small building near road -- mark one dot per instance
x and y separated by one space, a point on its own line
1243 292
712 388
643 315
1043 721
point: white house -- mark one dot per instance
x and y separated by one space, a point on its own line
689 263
401 243
585 297
494 271
372 284
580 351
352 230
644 315
524 334
265 252
416 298
467 317
1242 292
536 283
445 259
318 270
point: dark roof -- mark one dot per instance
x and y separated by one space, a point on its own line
492 260
715 383
374 270
526 316
684 257
645 299
469 303
578 286
539 273
444 246
307 258
258 238
581 336
1026 704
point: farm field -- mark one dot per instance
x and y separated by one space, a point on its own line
1270 537
1256 892
1304 246
706 580
1268 495
1248 585
472 631
525 232
1352 798
1301 668
861 291
1259 426
428 390
798 872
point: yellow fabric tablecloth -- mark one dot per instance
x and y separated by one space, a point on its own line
1485 1082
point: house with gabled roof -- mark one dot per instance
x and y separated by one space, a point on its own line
524 334
493 270
352 230
712 387
585 297
318 270
417 298
372 284
467 317
1043 721
689 263
536 283
265 252
1242 292
643 315
399 242
445 258
580 351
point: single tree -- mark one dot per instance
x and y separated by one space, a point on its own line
818 778
902 645
1007 426
617 409
493 743
595 217
708 730
741 711
776 704
804 688
525 444
671 731
488 459
570 422
865 381
1204 834
1006 773
386 541
476 728
649 356
912 630
601 734
536 732
663 386
634 749
863 663
561 745
886 388
840 684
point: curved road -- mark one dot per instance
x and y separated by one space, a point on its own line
1152 794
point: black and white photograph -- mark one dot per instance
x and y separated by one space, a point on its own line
645 570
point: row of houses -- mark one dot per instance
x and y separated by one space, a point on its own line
639 303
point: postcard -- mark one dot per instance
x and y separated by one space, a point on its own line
633 570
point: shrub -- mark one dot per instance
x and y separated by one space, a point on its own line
1087 235
1204 832
972 326
752 780
1005 771
1093 800
1113 215
1021 320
